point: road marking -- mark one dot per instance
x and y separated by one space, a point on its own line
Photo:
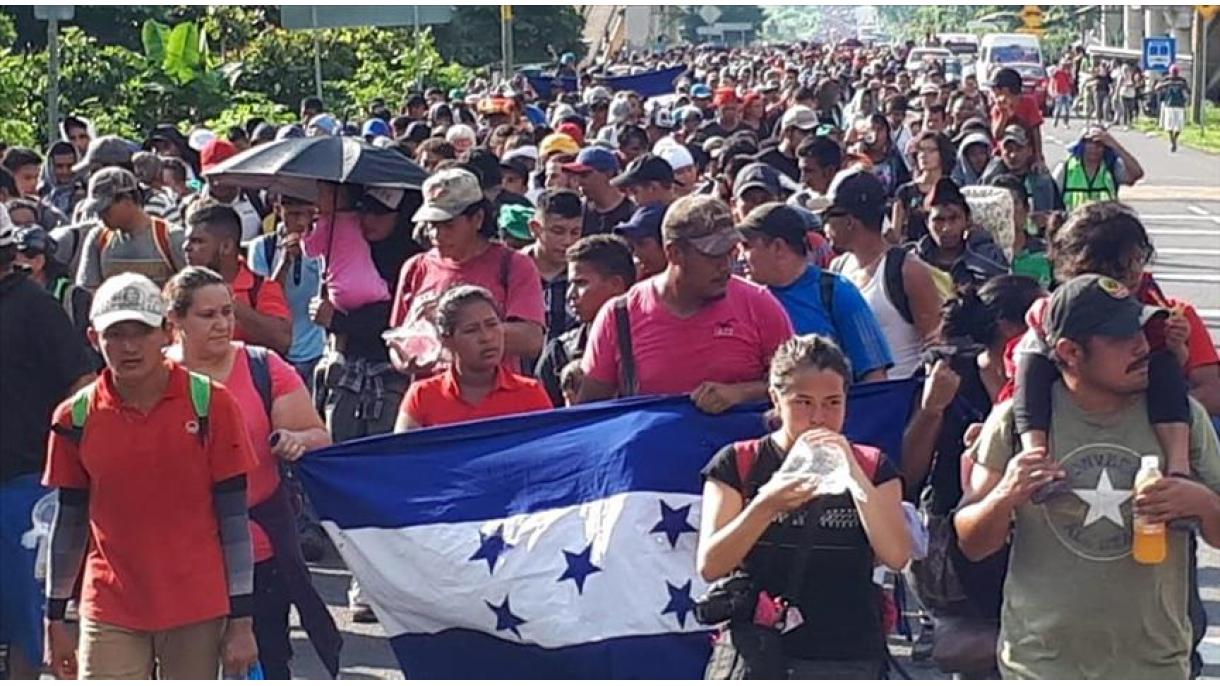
1178 218
1198 252
1197 210
1208 314
1188 278
1198 233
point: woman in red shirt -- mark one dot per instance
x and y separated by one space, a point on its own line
281 425
476 385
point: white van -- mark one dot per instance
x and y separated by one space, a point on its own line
964 46
1002 49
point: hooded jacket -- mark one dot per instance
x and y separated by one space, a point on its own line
962 174
981 260
62 197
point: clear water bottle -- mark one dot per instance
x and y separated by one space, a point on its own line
824 463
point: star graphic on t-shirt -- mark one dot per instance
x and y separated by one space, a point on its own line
1104 501
673 523
580 567
680 602
505 619
491 548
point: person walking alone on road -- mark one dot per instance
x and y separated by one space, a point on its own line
1173 92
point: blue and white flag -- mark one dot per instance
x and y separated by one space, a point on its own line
555 545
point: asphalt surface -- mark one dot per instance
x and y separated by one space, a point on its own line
1179 202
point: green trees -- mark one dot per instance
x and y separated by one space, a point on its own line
216 66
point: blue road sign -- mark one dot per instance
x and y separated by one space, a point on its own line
1160 52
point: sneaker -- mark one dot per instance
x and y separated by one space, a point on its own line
362 614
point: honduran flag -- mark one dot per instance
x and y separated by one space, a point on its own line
554 545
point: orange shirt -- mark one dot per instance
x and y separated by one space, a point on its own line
438 399
270 298
155 560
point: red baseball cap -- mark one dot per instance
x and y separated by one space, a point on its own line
572 129
216 151
725 96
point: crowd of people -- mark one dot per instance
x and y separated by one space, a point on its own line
788 223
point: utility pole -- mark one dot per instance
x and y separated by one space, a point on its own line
53 81
506 39
1198 86
317 53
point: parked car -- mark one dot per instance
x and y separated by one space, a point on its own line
919 58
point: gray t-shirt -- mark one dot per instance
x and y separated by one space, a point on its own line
1076 604
127 253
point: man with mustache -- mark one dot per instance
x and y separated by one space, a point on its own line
1070 554
694 328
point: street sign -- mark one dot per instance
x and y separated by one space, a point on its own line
1207 11
56 12
330 16
1032 16
1159 53
709 14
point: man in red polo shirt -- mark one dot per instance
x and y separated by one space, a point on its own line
152 506
213 240
694 328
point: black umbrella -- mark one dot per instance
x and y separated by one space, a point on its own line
294 165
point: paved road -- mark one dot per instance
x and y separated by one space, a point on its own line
1180 204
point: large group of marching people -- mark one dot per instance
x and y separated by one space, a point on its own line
790 222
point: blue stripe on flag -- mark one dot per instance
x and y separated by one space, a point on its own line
483 470
464 654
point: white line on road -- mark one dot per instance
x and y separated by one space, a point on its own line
1197 252
1207 314
1197 210
1177 218
1188 278
1199 233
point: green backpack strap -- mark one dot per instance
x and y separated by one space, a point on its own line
201 399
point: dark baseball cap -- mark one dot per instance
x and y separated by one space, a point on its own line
1015 133
594 158
858 193
1095 305
703 221
775 220
757 175
644 169
1007 78
645 222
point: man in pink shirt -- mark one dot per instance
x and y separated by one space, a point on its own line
694 328
460 225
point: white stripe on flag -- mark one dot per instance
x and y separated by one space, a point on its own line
420 579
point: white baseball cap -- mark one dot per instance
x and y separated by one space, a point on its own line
676 155
127 297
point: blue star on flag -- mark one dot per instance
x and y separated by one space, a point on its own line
505 619
580 567
491 548
673 523
680 602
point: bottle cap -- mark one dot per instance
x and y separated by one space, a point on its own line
1150 462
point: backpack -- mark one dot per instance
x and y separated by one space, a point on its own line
826 285
160 234
628 384
200 391
895 287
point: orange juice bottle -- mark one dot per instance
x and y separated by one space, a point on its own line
1148 544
